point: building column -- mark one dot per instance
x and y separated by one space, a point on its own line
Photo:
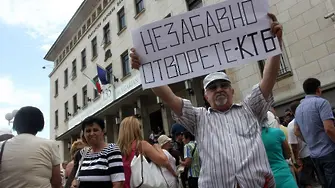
144 116
167 120
66 150
110 128
116 125
194 91
60 145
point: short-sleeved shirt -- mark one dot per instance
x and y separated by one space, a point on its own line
27 162
102 168
229 143
194 170
293 139
273 139
309 116
170 179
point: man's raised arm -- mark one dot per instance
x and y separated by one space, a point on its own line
272 66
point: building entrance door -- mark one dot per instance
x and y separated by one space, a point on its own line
156 122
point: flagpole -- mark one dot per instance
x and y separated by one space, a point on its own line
92 81
111 81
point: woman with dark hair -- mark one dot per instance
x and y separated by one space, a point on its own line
101 163
27 160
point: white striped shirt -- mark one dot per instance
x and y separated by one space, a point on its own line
102 168
229 143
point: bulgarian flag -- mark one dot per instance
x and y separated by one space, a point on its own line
97 85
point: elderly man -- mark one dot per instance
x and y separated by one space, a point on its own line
228 135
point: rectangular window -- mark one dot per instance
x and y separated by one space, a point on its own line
75 40
56 88
79 34
83 59
66 110
125 63
284 69
75 104
94 44
84 28
193 4
122 19
74 69
56 119
96 94
89 22
110 74
139 4
66 78
94 16
99 10
107 39
104 3
85 97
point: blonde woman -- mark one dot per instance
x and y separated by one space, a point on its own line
130 138
76 146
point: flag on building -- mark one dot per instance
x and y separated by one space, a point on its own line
102 75
96 84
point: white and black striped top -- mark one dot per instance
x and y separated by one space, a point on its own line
102 168
230 144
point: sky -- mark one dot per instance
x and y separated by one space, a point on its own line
28 28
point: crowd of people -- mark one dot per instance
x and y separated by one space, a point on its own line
226 145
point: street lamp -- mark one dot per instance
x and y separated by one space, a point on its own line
10 116
48 66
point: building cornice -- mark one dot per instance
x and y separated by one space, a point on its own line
75 23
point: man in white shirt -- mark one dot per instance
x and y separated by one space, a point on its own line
301 154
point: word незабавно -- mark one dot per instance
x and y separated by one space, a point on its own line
205 40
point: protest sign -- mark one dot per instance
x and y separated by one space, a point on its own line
204 40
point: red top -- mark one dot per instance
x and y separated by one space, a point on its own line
126 165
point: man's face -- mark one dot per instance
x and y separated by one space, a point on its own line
185 140
179 138
219 94
288 113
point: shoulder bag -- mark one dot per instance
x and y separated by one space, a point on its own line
2 150
86 150
142 173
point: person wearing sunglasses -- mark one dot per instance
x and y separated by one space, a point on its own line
228 134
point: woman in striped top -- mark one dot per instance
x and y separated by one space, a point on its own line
102 164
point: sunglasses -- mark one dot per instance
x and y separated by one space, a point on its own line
216 85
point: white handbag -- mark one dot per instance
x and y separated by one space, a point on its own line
145 175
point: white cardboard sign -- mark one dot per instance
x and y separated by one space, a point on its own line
204 40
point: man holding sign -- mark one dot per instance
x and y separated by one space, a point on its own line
228 135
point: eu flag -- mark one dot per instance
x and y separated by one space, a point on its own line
102 74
